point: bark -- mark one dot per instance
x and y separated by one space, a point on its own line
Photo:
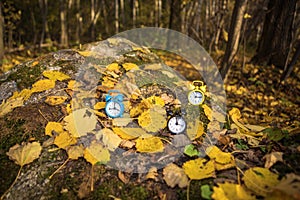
45 35
276 37
63 24
233 36
78 22
117 16
1 35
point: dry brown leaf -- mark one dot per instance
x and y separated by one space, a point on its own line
174 175
272 158
25 153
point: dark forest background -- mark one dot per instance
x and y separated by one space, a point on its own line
266 31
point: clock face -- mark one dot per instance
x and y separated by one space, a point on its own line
196 97
114 109
176 124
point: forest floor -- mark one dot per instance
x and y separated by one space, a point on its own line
254 90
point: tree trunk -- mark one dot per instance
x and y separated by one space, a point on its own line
122 13
92 19
63 24
277 33
78 22
117 16
1 35
233 36
45 29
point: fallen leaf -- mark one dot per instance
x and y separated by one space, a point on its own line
25 94
110 139
149 145
155 66
113 67
221 157
129 66
195 129
191 150
80 122
55 100
235 115
96 153
10 104
174 175
53 126
205 191
25 153
199 169
56 75
43 85
153 119
74 152
227 191
260 181
64 139
99 105
289 185
122 176
130 133
124 121
152 174
272 158
207 111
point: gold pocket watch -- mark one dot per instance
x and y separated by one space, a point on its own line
196 95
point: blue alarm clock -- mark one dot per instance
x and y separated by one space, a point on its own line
114 106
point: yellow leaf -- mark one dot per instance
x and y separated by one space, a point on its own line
56 75
272 158
43 85
96 153
108 82
74 152
221 157
195 130
25 94
53 126
80 122
228 191
124 121
235 115
99 105
155 66
152 174
207 111
55 100
113 67
129 66
149 145
167 73
73 85
174 175
25 153
86 53
198 169
225 35
10 104
34 63
130 133
154 100
153 120
64 139
110 139
260 181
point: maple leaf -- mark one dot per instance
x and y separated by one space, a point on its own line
96 153
198 169
56 75
149 145
53 126
174 175
261 181
55 100
25 153
80 122
228 191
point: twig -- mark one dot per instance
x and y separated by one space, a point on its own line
59 168
19 172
